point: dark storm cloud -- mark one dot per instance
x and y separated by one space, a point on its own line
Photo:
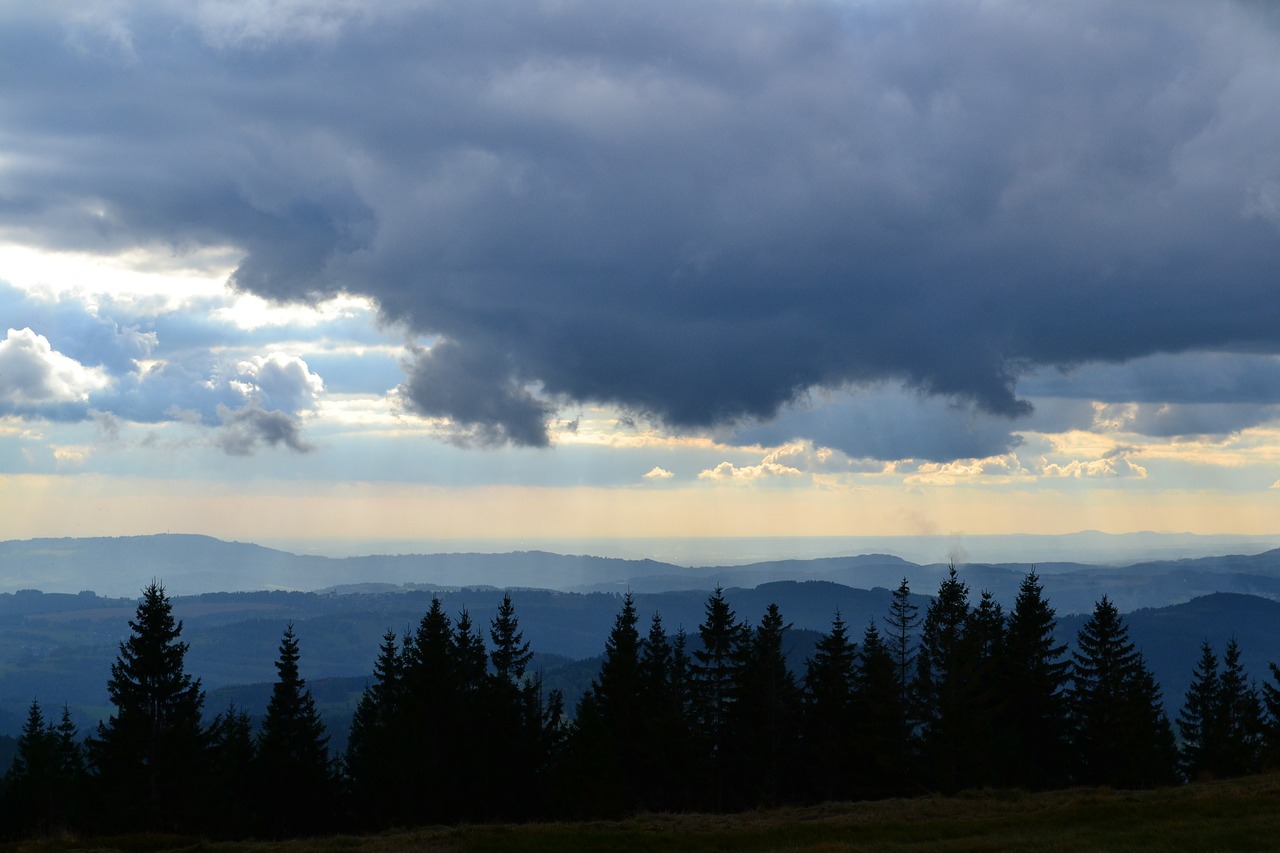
1188 378
1164 420
244 430
1192 394
698 212
884 423
475 388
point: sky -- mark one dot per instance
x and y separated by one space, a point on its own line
333 270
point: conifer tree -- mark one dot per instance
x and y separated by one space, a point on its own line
1033 722
370 764
877 765
608 740
518 741
30 800
1241 717
511 654
983 694
373 710
1199 721
1121 735
70 753
902 621
471 659
425 724
829 722
667 751
292 757
151 755
943 669
764 718
472 723
233 801
655 658
1270 751
715 670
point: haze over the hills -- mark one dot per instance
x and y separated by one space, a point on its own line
58 646
1087 562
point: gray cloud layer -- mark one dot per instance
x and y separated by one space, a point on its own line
696 211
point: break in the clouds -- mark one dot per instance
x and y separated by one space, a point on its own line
108 362
704 213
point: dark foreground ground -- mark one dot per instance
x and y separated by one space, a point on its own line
1235 815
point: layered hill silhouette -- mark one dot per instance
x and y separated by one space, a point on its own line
57 645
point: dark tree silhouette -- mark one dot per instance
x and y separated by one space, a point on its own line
511 654
1240 716
943 669
983 695
233 802
764 718
1033 721
519 738
608 739
1121 736
829 721
369 769
902 621
878 716
151 756
1270 756
668 760
295 780
43 786
1199 721
715 670
471 723
425 742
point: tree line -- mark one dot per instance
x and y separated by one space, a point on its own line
455 728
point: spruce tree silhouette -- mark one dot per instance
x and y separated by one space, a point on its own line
151 755
1121 735
292 761
1033 722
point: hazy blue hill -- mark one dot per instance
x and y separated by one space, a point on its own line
58 646
185 563
1266 563
515 569
64 656
865 570
190 564
1170 637
813 604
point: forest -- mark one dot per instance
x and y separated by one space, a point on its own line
454 726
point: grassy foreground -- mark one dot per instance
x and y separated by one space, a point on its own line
1233 815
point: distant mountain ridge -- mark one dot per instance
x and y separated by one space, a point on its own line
57 645
190 564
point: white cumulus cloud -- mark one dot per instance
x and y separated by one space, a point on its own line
992 470
771 466
281 382
33 374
